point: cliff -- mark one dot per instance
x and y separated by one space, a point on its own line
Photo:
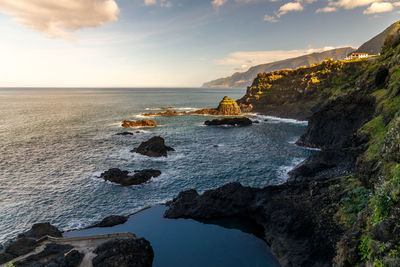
244 79
341 206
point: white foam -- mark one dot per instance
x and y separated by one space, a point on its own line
171 108
284 170
272 119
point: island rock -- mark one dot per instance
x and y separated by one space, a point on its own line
139 123
154 147
241 121
110 221
118 176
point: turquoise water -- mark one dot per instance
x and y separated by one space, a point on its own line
55 142
189 243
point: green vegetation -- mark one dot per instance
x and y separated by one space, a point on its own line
10 265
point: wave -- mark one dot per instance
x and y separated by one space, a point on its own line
171 108
272 119
283 171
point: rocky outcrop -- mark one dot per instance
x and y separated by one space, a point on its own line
110 221
227 107
297 221
334 125
118 176
168 113
242 121
27 241
139 123
124 133
391 146
124 253
154 147
53 255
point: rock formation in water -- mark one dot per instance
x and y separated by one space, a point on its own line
241 121
139 123
227 107
124 133
115 175
154 147
110 221
341 206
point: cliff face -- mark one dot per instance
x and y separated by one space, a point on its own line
342 205
244 79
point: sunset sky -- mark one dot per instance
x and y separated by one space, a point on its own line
150 43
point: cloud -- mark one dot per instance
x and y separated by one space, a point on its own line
246 58
59 18
379 7
327 9
350 4
289 7
218 3
161 3
270 18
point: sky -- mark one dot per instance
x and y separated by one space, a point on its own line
171 43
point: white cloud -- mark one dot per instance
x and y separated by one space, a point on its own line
161 3
350 4
253 58
327 9
289 7
379 7
270 18
218 3
59 18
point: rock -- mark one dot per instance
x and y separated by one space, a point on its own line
229 107
118 176
242 121
168 113
391 146
110 221
124 253
335 123
53 255
26 242
124 133
296 222
39 230
256 121
154 147
139 123
325 165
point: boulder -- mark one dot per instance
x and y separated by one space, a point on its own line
39 230
110 221
154 147
241 121
118 176
124 133
124 253
139 123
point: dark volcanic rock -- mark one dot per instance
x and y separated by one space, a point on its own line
324 165
110 221
39 230
118 176
241 121
335 123
124 253
154 147
295 218
53 255
124 133
27 241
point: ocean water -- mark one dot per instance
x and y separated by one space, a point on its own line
184 242
55 142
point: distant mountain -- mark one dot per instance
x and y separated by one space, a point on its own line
244 79
374 46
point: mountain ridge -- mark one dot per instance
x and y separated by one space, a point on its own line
244 79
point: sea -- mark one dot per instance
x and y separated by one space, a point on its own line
55 143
